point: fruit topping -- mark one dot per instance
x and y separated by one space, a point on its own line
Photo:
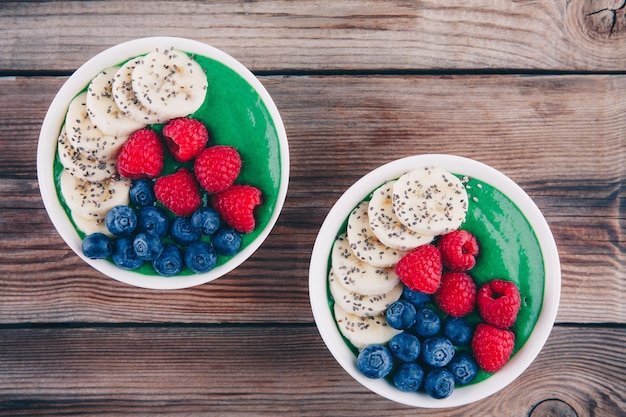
405 347
408 377
463 367
217 167
178 192
183 232
437 351
121 220
458 330
375 361
154 220
236 206
227 241
200 257
401 315
420 269
141 155
185 138
457 294
124 255
147 246
427 322
142 193
499 302
439 383
169 262
459 249
492 347
97 246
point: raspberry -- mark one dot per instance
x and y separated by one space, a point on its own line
185 138
457 294
217 167
458 250
141 155
499 302
236 206
420 269
178 192
492 347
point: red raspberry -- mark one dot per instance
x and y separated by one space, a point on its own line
178 192
457 294
492 347
236 206
185 138
458 250
216 168
499 302
420 269
141 155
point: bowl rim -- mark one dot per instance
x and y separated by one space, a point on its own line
463 166
54 120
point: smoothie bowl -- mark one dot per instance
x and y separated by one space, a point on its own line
434 281
163 163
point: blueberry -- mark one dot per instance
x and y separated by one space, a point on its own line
226 241
427 322
121 220
169 262
405 347
124 254
183 232
408 377
374 361
206 219
417 298
437 351
439 383
147 246
153 219
463 367
200 257
400 315
458 330
97 246
142 193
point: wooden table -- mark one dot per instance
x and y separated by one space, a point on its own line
535 89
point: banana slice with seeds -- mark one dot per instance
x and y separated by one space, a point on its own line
359 304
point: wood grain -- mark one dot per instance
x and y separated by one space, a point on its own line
373 35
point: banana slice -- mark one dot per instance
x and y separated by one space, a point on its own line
126 99
90 226
430 201
93 200
385 224
359 304
85 136
83 166
358 276
363 331
364 244
102 109
169 83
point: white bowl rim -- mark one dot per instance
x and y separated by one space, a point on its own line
463 166
53 122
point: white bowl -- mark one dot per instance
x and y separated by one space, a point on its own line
359 191
277 149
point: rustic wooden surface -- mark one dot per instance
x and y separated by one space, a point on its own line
533 88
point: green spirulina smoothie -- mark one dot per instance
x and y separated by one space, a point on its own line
234 115
509 250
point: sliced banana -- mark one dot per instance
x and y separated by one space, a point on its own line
90 226
359 304
386 226
430 201
169 83
102 108
81 165
93 200
126 99
358 276
363 331
364 244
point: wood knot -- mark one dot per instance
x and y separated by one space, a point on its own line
604 19
552 408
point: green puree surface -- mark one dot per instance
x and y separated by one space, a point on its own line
235 115
509 250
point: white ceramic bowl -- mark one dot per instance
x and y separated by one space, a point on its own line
359 191
278 154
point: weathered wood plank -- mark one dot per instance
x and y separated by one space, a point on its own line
371 35
196 370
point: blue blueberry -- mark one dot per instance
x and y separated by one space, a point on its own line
183 232
405 347
206 219
142 193
427 322
97 246
375 361
147 246
200 257
408 377
121 220
169 262
417 298
226 241
124 254
463 367
458 330
437 351
154 220
400 315
439 383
